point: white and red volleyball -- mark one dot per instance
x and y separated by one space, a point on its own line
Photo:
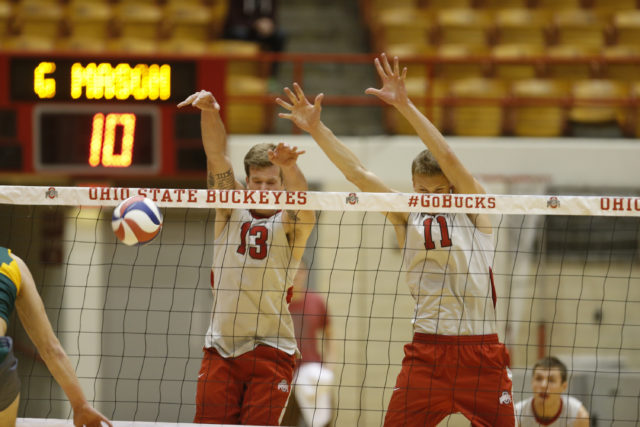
137 220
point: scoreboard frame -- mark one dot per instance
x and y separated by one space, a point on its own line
110 84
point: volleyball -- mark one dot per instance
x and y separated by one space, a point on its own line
137 220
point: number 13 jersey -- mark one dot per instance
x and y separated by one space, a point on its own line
250 286
447 262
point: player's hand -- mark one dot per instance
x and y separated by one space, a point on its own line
304 114
393 91
203 100
284 155
87 416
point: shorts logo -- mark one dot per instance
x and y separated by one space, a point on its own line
505 399
283 386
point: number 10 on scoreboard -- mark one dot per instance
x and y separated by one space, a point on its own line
104 135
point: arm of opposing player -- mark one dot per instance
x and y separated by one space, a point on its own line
35 321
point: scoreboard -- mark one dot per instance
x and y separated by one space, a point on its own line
103 116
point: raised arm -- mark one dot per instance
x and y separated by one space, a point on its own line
35 321
307 117
297 224
214 139
394 93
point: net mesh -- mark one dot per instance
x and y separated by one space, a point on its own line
133 319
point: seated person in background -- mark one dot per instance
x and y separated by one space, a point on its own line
550 406
255 20
314 378
17 288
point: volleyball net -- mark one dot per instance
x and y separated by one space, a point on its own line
133 318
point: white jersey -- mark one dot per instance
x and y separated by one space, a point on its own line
250 281
565 418
448 262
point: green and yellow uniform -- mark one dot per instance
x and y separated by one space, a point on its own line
10 282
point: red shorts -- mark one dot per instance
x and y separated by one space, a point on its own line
442 375
252 388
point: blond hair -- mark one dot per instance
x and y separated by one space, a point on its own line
258 157
425 164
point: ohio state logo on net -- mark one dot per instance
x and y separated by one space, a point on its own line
352 198
553 202
51 193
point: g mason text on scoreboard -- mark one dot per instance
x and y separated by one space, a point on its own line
88 79
106 81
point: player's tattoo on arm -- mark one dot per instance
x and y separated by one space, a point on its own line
222 180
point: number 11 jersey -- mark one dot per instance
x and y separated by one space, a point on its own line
447 262
251 283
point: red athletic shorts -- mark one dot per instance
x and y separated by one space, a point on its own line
442 375
252 388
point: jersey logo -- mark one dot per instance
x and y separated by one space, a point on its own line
505 398
283 386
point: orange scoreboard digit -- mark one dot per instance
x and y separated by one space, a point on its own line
102 116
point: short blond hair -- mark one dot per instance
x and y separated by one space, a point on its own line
258 157
425 164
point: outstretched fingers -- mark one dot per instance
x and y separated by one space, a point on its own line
300 110
284 104
299 91
292 97
297 99
385 65
379 68
284 154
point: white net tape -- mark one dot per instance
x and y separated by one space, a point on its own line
133 319
334 201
